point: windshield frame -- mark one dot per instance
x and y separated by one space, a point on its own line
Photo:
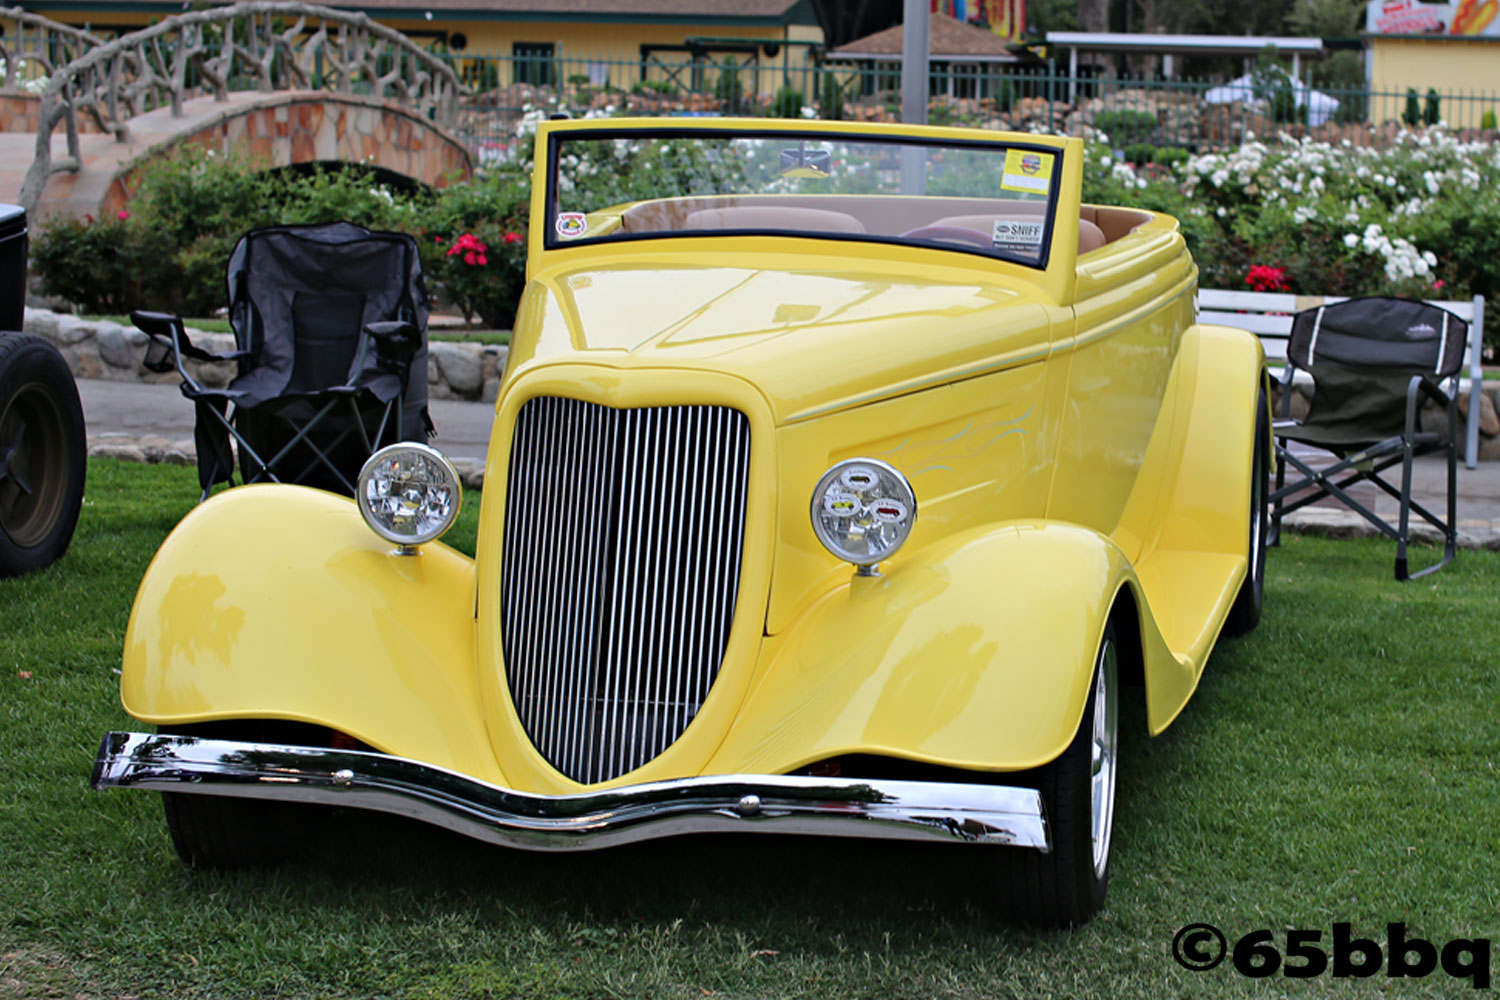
556 138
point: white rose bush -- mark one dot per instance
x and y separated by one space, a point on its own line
1420 218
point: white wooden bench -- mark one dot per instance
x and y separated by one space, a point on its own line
1268 315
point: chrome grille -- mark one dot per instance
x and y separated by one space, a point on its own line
623 534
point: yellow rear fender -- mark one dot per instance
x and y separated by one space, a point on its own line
277 602
977 652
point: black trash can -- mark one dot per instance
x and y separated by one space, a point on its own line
12 267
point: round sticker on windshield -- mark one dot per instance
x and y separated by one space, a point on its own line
571 225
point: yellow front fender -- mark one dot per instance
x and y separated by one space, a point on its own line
978 653
277 602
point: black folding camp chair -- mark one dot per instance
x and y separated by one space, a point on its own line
1373 362
330 327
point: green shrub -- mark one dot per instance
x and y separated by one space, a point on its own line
729 88
1126 128
493 211
106 266
666 88
788 103
1413 114
831 100
1487 120
1431 115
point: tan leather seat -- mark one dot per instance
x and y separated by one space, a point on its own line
807 220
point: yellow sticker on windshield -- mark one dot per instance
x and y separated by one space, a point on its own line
1027 171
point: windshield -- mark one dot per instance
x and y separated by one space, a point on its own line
987 198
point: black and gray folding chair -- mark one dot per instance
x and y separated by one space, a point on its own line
330 327
1374 362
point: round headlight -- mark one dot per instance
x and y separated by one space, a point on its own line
862 510
409 493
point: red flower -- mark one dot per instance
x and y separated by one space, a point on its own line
1265 278
513 237
123 215
469 258
483 260
1439 284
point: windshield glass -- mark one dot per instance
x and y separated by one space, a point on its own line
988 198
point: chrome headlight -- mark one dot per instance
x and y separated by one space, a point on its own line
862 511
409 493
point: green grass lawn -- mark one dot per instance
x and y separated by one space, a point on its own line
1342 763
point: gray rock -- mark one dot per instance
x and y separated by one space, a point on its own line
42 323
460 366
114 348
72 330
116 449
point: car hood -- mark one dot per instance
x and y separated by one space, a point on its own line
813 338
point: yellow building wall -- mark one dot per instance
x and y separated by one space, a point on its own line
1464 71
614 49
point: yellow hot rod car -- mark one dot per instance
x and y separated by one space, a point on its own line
844 478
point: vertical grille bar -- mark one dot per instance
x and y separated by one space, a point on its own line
623 538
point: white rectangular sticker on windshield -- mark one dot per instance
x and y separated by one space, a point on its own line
1018 237
1027 171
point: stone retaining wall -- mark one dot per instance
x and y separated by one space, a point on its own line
105 350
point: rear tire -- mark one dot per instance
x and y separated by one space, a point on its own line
1067 886
1244 614
43 454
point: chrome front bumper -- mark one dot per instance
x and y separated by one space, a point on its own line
760 803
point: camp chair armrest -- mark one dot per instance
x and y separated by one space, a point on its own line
166 329
1421 385
394 331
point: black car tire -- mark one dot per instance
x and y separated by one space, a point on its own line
1244 614
226 833
43 454
1067 885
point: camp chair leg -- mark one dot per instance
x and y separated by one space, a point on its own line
265 467
1450 529
1325 485
301 437
1283 455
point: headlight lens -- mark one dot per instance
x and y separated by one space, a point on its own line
862 510
409 493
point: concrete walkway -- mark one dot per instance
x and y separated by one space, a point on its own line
145 421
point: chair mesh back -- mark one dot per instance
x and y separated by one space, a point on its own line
299 298
326 330
1362 354
1415 337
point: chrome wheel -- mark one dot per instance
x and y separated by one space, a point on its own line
1104 758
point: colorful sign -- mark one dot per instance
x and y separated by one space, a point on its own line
1027 171
1409 17
1006 18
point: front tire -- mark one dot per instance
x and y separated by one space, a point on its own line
227 833
43 454
1067 886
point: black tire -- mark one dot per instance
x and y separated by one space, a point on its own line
43 454
211 831
1067 885
1244 614
226 833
